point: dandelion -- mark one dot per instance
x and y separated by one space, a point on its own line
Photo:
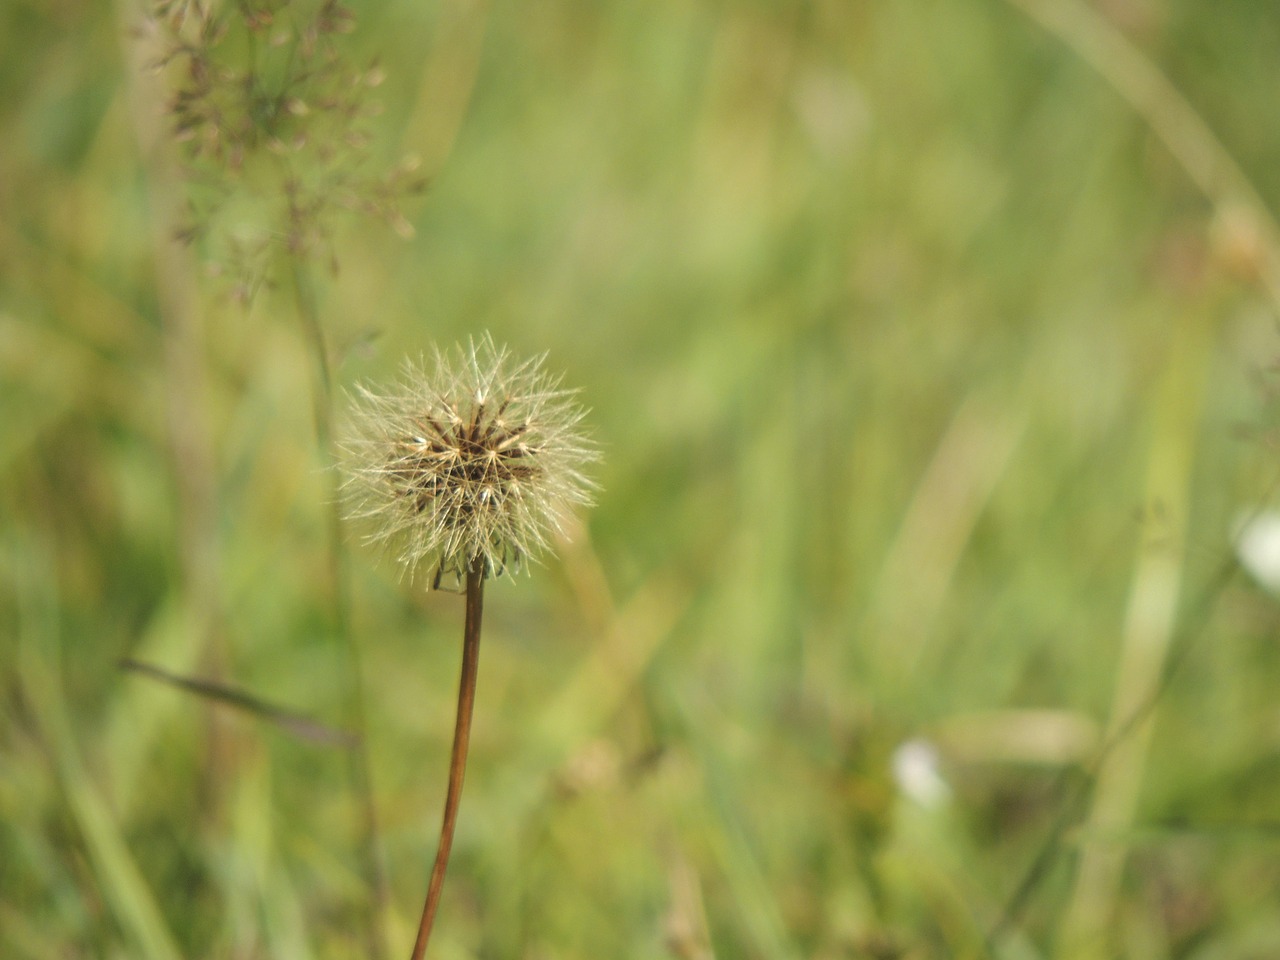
474 463
470 467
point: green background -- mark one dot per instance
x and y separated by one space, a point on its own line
931 370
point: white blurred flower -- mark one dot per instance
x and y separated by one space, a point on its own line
1258 547
916 772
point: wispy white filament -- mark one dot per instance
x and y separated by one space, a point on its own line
473 459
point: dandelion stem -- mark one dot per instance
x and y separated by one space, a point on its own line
458 760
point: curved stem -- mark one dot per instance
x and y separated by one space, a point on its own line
458 761
1169 114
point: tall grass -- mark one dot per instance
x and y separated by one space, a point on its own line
932 383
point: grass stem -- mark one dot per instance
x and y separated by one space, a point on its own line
1171 117
339 605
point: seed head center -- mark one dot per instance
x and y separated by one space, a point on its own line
473 464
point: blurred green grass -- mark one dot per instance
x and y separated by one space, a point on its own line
910 349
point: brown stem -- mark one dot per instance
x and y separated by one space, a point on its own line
458 761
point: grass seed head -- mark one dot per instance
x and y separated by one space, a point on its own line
476 459
273 116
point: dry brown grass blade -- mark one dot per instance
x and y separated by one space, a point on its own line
296 724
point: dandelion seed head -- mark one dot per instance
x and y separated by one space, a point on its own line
475 458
